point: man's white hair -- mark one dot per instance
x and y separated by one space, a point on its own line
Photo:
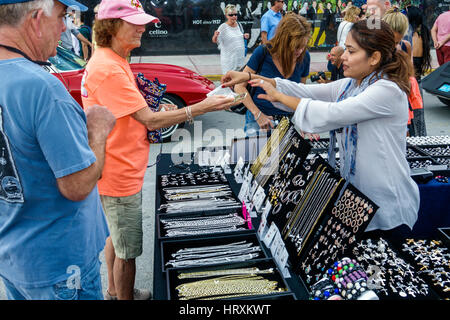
13 14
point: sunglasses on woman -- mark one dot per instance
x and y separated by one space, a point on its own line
233 15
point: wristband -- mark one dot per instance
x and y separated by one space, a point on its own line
259 115
249 76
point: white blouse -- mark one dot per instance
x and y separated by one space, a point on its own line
381 114
232 47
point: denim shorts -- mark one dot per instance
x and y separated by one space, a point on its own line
88 286
251 127
124 217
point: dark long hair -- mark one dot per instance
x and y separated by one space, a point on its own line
395 64
415 18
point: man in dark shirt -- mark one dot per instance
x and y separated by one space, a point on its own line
334 65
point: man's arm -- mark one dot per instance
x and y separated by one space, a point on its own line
83 39
263 37
77 186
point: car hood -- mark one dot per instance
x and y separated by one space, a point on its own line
161 70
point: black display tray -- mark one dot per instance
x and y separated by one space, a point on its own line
444 233
429 149
162 234
396 248
422 159
435 291
173 281
418 152
169 247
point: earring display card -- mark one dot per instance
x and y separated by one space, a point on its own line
342 226
255 278
299 207
202 224
211 250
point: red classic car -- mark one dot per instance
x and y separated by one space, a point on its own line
184 86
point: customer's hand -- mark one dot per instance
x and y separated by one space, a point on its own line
438 44
265 122
246 35
271 94
218 102
234 77
99 121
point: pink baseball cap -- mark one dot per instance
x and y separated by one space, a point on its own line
129 10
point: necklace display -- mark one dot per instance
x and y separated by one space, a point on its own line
226 253
349 217
196 191
199 225
228 283
272 143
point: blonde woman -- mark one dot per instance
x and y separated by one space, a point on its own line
399 24
230 38
351 16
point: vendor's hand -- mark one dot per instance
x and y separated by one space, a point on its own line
321 80
234 77
438 44
218 102
246 36
311 136
271 94
265 122
167 107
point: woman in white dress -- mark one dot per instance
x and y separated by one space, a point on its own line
351 16
230 39
367 112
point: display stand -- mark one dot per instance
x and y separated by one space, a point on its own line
307 259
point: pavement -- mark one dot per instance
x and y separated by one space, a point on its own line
217 129
208 65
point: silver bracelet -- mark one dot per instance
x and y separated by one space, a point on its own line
189 114
259 115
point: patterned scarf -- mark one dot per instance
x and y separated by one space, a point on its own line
349 133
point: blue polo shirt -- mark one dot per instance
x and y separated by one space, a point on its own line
269 22
269 70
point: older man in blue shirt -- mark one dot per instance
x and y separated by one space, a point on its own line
270 20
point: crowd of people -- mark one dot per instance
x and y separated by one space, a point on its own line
78 172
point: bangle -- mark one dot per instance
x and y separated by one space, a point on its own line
259 115
189 114
249 76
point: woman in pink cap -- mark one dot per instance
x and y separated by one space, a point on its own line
109 81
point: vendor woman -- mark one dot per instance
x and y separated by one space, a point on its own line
368 113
